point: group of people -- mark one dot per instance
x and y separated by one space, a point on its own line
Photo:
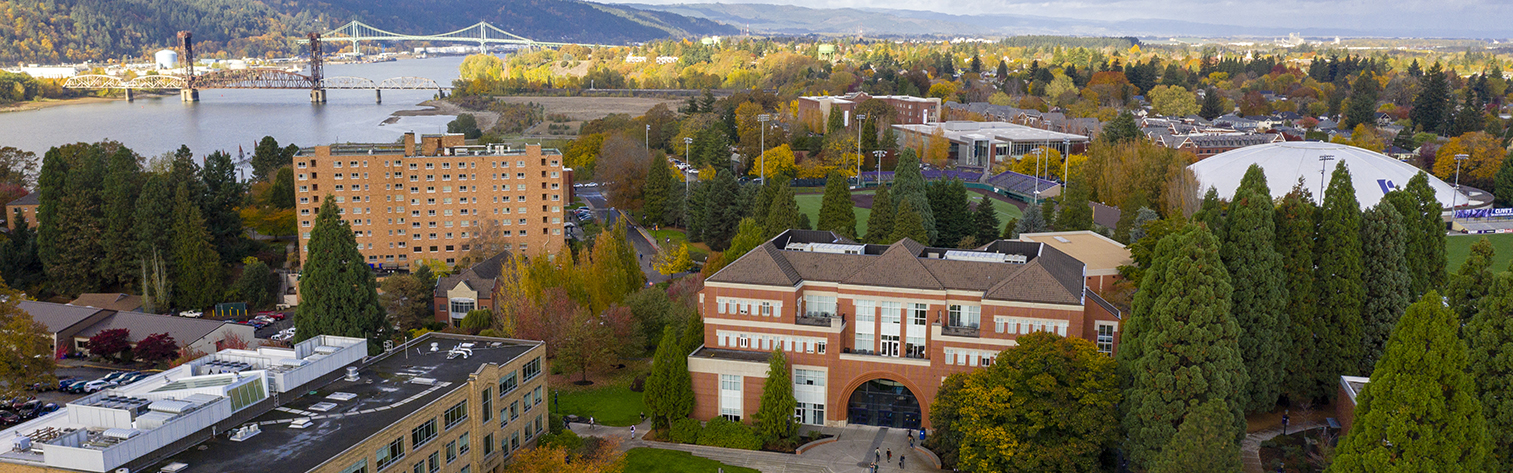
878 454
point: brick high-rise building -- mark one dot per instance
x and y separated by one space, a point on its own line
427 198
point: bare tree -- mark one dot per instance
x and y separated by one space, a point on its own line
622 166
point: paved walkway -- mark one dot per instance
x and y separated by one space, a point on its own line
852 452
1250 448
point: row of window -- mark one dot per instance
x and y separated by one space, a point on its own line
1016 325
430 165
771 342
726 305
966 357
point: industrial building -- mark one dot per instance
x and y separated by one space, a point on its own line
870 331
457 402
431 196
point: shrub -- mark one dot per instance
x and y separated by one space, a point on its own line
724 433
685 431
554 423
638 384
566 440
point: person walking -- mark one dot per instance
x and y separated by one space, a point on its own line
900 460
877 455
591 423
890 455
632 432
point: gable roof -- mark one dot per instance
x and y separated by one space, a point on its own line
762 265
899 266
57 317
115 301
31 198
183 330
479 277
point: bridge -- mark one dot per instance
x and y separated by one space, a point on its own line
481 33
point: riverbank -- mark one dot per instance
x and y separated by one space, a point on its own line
436 107
50 103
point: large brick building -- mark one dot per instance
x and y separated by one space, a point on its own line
815 110
870 331
428 198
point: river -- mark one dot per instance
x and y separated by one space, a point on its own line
224 119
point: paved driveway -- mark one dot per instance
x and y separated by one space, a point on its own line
852 452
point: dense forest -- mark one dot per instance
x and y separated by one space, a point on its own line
52 31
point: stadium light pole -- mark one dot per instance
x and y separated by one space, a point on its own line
762 120
859 118
879 153
1323 161
1038 152
1066 160
1455 199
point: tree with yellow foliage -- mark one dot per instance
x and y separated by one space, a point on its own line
481 67
1365 136
777 161
936 149
673 260
1049 159
1486 153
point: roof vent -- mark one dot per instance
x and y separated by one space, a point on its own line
1063 240
980 256
352 374
423 381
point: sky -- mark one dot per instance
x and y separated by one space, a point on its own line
1443 16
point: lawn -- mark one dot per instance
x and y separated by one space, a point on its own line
615 406
697 251
809 204
648 460
1458 248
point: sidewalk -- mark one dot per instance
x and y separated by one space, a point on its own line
1250 447
852 451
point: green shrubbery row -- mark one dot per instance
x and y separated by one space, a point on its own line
719 432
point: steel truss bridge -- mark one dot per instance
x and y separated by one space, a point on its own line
251 79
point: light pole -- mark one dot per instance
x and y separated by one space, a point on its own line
1323 160
762 120
879 153
687 146
1455 199
648 137
1038 152
859 118
1066 161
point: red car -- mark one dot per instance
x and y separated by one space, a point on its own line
272 315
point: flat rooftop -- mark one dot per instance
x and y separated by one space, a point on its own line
385 393
993 131
1098 252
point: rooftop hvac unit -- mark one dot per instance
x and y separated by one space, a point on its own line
1017 259
352 373
979 256
121 434
153 420
22 444
292 362
171 406
326 350
174 467
424 381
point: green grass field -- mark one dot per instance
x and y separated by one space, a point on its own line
615 406
1458 248
677 236
652 460
809 204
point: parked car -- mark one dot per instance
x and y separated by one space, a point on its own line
97 385
271 314
9 418
194 314
21 401
63 383
116 376
75 386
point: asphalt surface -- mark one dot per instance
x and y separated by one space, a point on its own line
645 250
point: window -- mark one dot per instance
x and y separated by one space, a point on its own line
921 312
531 369
434 462
508 383
488 405
1105 338
809 391
488 444
515 441
819 306
464 443
766 309
420 435
889 311
539 397
362 465
966 316
451 451
456 413
864 342
514 410
730 397
391 453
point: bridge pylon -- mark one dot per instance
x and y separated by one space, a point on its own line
317 92
188 93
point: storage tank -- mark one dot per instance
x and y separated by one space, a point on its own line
166 59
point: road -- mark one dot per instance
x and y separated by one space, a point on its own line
645 250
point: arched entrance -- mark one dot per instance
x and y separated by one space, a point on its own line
884 402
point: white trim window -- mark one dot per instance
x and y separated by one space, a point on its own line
460 308
809 391
730 397
1105 337
965 316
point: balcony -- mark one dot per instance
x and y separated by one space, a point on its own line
961 330
819 319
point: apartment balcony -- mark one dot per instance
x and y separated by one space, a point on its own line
961 330
820 319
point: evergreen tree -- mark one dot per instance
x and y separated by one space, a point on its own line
1470 284
1137 230
909 186
1363 96
1502 186
1121 129
1009 229
1211 213
784 211
1489 337
1468 118
774 418
669 391
152 214
1386 279
51 185
1048 212
1260 289
338 295
659 185
281 192
1187 348
835 123
119 266
1213 105
223 194
267 158
761 204
1294 242
198 285
252 286
1421 210
722 211
1076 213
1337 284
1429 107
1404 139
908 224
1420 411
985 218
74 233
837 212
19 265
1203 443
698 193
1031 222
880 223
953 217
748 236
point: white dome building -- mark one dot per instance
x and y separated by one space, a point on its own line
1374 174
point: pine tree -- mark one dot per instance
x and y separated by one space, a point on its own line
1420 210
19 265
1489 337
51 185
1337 284
698 193
907 224
1468 118
1076 213
1031 222
223 194
1363 96
1121 129
722 211
1260 289
267 157
880 223
953 218
119 266
1502 186
1420 411
73 236
659 186
1211 213
669 392
338 295
774 418
1294 242
909 186
1204 442
784 213
252 286
837 212
1213 105
198 285
153 213
985 218
1187 348
1429 107
1469 285
1383 242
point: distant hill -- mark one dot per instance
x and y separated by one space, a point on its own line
50 31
